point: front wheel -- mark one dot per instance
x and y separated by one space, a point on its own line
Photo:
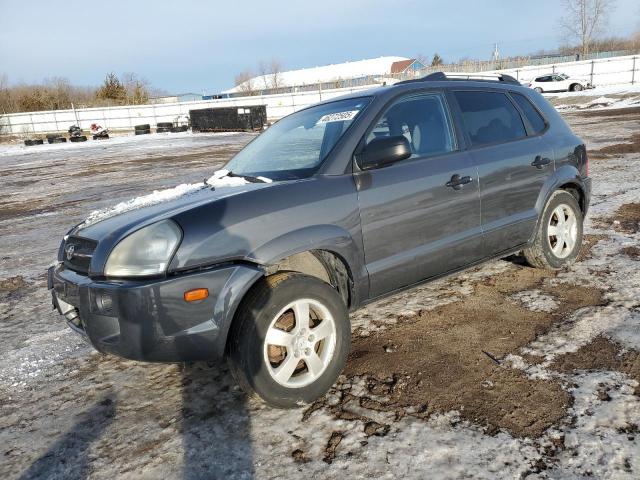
290 339
559 235
538 89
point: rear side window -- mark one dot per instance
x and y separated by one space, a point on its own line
535 119
490 117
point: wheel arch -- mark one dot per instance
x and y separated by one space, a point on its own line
565 178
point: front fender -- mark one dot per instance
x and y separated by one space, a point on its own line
331 238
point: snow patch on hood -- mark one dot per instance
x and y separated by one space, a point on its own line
219 179
222 178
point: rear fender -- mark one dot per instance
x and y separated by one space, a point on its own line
564 175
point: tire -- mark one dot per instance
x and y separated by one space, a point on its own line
81 138
182 128
28 143
146 126
164 124
541 253
538 89
576 87
253 363
101 137
38 141
58 140
143 132
163 129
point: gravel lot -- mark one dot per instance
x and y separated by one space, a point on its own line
500 372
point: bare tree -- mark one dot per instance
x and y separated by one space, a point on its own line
271 74
136 88
275 70
245 82
585 20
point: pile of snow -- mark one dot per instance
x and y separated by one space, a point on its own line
603 102
219 179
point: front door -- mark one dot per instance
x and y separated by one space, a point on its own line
421 216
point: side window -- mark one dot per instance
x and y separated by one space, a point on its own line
490 117
535 119
423 120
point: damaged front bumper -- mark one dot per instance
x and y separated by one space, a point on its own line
149 320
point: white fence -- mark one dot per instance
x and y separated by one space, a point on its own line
607 71
127 117
604 71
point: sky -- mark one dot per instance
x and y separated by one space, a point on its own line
200 46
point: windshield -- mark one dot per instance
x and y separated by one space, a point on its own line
295 146
562 75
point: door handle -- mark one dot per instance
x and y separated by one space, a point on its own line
457 181
540 162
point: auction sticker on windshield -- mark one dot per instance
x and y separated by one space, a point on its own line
338 116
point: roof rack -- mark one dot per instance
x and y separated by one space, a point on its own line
473 77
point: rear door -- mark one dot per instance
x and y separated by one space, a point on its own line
513 162
560 84
416 223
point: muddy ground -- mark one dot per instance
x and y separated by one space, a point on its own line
503 371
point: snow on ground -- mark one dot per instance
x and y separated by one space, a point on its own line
606 97
66 412
151 142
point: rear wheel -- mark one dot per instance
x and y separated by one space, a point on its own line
290 339
559 235
576 87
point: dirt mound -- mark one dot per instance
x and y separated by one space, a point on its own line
12 284
450 359
626 219
631 146
601 354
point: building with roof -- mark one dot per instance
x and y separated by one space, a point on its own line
409 66
327 76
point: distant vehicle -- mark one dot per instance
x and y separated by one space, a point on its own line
559 82
332 207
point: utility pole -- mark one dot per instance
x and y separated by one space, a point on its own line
495 56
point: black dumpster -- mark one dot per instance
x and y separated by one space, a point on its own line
229 119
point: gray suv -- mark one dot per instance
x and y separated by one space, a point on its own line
332 207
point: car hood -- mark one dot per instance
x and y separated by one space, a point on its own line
121 224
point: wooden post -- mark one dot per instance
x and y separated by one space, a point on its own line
9 124
633 71
75 114
592 64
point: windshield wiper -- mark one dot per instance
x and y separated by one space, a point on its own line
248 178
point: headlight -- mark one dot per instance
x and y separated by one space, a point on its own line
145 252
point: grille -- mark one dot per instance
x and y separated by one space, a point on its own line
77 254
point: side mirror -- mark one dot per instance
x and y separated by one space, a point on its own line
384 151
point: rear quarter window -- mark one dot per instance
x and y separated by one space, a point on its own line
489 117
533 116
